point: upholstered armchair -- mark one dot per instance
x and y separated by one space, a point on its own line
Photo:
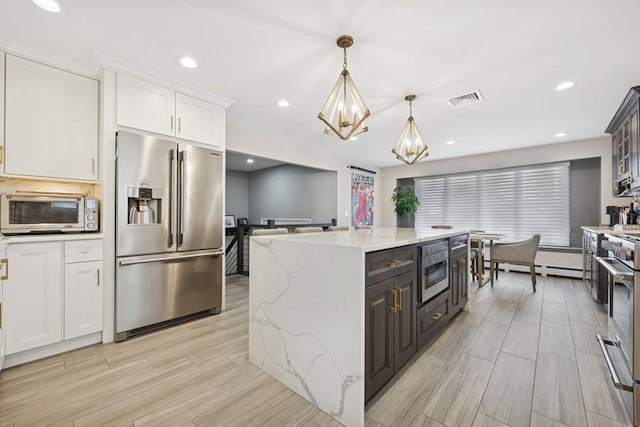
520 253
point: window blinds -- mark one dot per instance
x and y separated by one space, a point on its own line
518 202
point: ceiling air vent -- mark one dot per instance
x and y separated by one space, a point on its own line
467 99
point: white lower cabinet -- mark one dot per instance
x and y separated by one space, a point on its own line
32 296
53 292
2 322
82 299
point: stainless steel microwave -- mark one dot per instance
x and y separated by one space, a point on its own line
47 213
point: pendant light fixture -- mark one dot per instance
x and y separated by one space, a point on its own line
410 146
344 112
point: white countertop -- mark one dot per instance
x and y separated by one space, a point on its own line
6 240
368 240
608 230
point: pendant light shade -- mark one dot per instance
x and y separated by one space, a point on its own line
410 146
344 112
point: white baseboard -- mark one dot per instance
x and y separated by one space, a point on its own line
50 350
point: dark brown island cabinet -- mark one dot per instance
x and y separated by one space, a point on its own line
395 325
390 322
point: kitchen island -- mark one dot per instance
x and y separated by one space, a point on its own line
307 311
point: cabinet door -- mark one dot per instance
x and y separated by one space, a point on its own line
1 112
378 336
33 296
404 336
200 121
51 127
634 128
453 283
82 299
462 270
614 162
2 321
145 106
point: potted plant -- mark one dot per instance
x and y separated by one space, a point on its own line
405 205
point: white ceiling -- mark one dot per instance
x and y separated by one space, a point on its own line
257 52
238 162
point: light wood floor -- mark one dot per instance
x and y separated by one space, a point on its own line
516 359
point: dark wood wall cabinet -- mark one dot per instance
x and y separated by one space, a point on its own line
395 326
625 137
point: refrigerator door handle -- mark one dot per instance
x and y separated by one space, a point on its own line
160 259
172 214
182 156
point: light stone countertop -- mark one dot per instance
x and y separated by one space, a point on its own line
608 230
7 240
368 240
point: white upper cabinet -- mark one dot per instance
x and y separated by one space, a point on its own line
199 121
149 107
145 106
51 127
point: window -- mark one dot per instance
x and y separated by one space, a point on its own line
518 202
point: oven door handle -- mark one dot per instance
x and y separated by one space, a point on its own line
626 274
612 370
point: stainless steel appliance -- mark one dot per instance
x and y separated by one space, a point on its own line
37 213
621 349
168 232
594 277
434 269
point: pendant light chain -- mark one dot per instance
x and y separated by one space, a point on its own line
344 60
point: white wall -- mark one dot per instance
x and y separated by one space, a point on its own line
274 147
597 147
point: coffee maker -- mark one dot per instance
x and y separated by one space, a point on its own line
614 215
145 206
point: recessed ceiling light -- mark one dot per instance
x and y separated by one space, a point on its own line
187 62
450 142
353 138
53 6
282 103
565 85
560 134
249 160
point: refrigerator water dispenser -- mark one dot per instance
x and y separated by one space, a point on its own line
145 206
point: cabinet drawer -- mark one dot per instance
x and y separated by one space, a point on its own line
432 316
82 250
384 264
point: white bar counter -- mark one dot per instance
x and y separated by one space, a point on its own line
306 311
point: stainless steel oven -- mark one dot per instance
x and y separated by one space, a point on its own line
434 269
620 349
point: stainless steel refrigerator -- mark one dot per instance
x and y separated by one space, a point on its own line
168 232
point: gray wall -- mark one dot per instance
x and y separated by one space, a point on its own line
585 196
237 194
291 191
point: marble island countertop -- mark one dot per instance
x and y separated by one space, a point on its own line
369 240
307 305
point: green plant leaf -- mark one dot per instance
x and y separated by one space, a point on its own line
405 201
